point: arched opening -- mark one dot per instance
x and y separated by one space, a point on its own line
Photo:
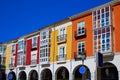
46 74
79 76
109 72
22 76
11 76
33 75
62 74
2 74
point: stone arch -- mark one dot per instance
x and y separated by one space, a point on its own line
62 73
22 76
46 74
108 72
78 75
11 76
33 75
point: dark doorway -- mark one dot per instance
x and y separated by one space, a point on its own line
109 72
2 74
11 76
62 74
46 75
22 75
85 76
33 75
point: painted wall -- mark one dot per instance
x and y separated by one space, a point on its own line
8 55
28 51
16 54
89 36
116 25
55 44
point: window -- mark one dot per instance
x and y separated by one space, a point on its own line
21 45
1 48
43 35
81 48
33 59
44 53
13 48
81 28
34 42
101 17
21 58
44 46
62 54
102 30
62 35
62 31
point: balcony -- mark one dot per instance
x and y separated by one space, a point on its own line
80 34
44 60
61 57
33 61
80 55
62 38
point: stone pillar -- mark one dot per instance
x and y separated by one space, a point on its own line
53 76
119 75
71 76
93 76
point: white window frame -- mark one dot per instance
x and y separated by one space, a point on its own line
34 56
98 28
81 25
21 60
13 48
1 48
21 45
80 43
64 53
34 42
62 31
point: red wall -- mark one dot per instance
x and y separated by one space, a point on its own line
16 53
28 51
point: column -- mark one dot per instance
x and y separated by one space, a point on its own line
53 76
93 76
119 75
71 76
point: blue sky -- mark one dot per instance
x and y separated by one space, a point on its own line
20 17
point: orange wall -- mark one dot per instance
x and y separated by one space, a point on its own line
88 39
116 25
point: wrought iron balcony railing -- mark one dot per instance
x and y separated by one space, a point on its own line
61 38
80 55
78 34
61 57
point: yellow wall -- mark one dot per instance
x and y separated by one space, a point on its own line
55 45
69 42
8 55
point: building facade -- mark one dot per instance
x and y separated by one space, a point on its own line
58 51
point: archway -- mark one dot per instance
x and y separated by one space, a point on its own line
109 72
33 75
2 74
22 76
46 74
62 74
79 76
11 76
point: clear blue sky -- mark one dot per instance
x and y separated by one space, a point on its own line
20 17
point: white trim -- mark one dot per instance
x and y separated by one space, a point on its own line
62 25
